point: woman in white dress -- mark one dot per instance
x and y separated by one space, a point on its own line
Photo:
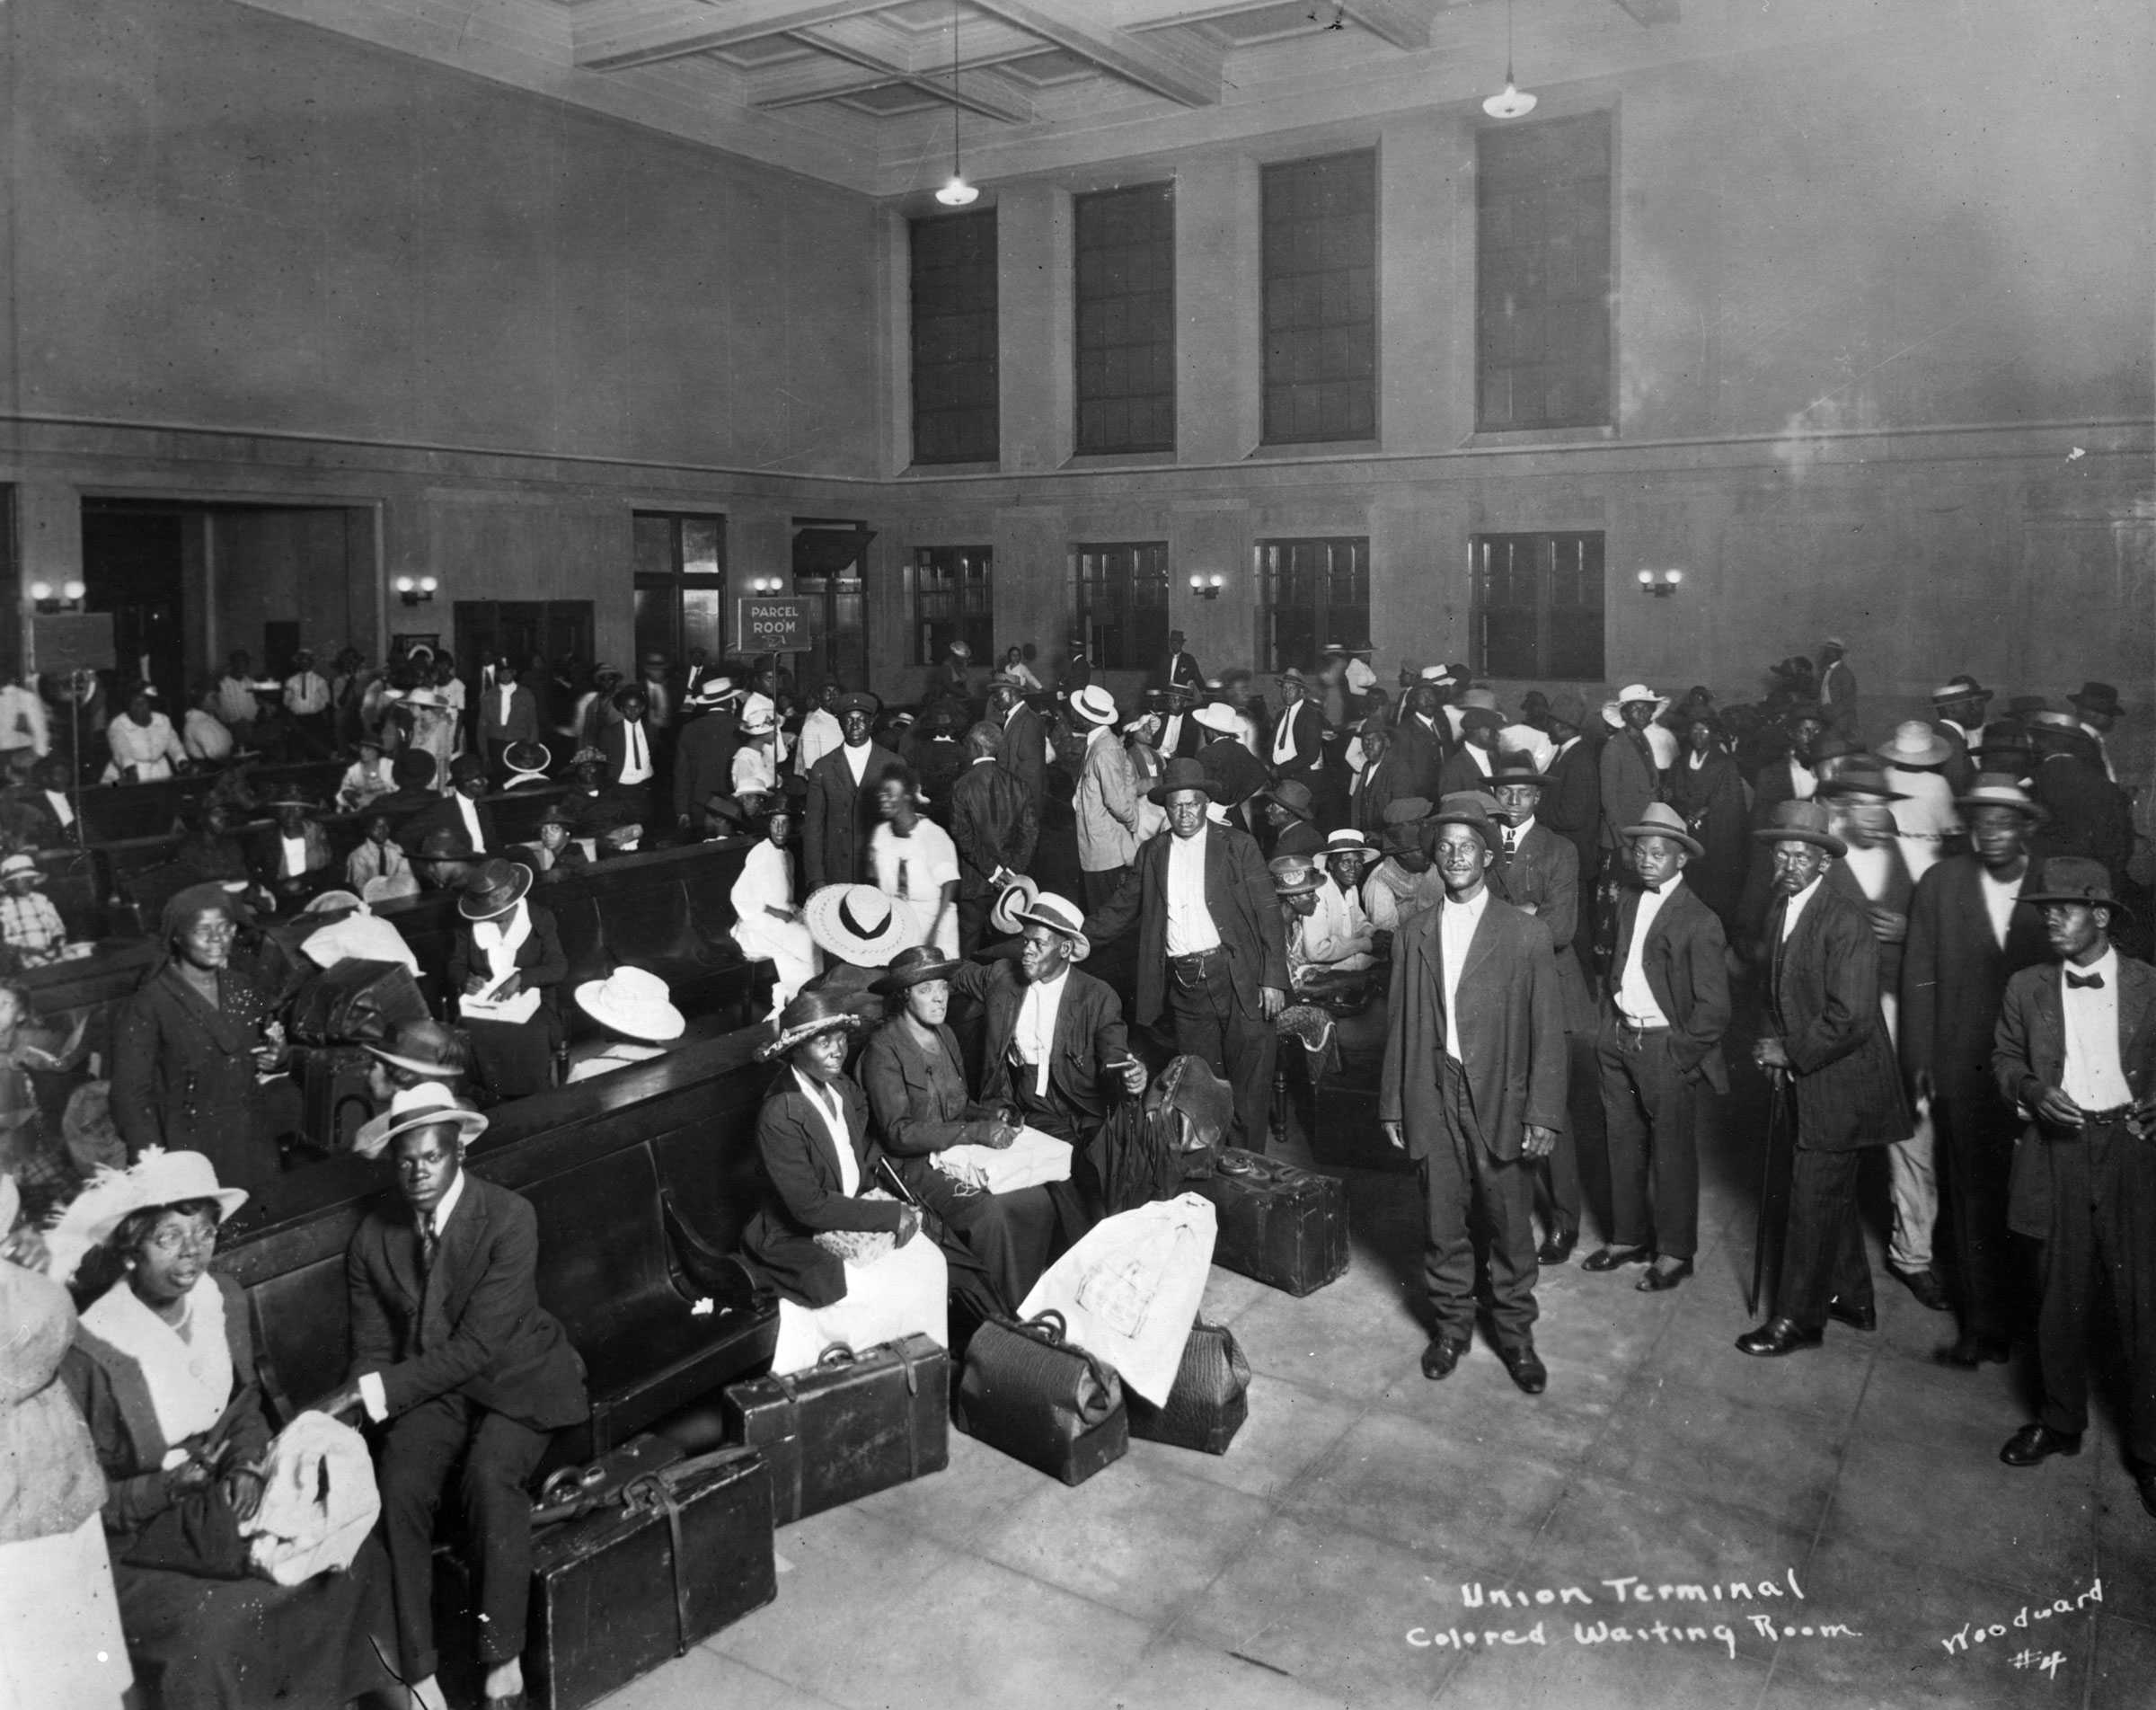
767 921
914 861
145 746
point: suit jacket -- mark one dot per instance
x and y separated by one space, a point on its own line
1374 790
1896 898
613 743
2028 1054
1960 766
1460 773
1238 896
1571 803
1838 697
1683 964
1235 772
1954 977
1419 751
839 817
1543 873
443 813
993 825
803 1192
1178 668
1823 1000
267 854
522 724
704 761
472 1325
1089 1033
918 1107
1107 806
1025 752
539 958
1303 725
1511 1018
2090 815
1629 781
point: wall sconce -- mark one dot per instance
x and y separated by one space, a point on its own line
1660 583
414 593
69 598
1207 587
767 585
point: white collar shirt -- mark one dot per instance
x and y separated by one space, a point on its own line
1999 900
1035 1039
636 752
1190 927
1795 906
468 810
1804 783
2094 1077
1456 923
1634 997
1516 835
857 760
833 1115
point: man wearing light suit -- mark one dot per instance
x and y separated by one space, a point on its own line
1473 1088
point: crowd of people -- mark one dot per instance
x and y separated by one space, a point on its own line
1526 928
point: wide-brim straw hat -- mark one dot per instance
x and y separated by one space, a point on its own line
914 967
1059 915
1094 705
157 1178
858 923
632 1001
1014 897
1218 716
493 888
1914 743
1801 822
527 756
421 1106
1632 692
810 1013
21 866
1659 819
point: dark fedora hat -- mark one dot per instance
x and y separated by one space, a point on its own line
492 888
1515 768
2074 878
2099 697
1801 822
1182 774
914 967
1294 794
1470 807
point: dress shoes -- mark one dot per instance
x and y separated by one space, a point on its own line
1559 1248
1777 1337
1657 1279
1441 1356
2035 1443
1526 1368
1865 1317
1610 1258
1929 1291
1966 1353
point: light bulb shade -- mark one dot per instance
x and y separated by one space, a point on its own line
404 584
428 584
1195 582
957 192
1647 579
73 590
1513 102
1220 582
1674 577
43 590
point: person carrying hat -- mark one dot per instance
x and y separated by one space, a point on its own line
509 714
840 811
994 827
1971 929
162 1372
1826 1041
1473 1089
30 925
504 964
1211 951
844 1257
455 1360
1106 801
2076 1048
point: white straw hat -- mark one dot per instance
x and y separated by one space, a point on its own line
632 1001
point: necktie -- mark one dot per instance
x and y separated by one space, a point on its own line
1511 839
429 1244
2084 982
903 891
636 745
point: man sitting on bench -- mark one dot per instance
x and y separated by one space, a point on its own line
452 1349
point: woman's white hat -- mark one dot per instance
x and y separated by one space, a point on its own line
632 1001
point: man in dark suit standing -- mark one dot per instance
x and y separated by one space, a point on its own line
1421 740
840 809
1970 931
452 1351
1473 1089
1571 805
2076 1047
1630 776
994 827
703 748
1659 1054
631 758
1211 951
2091 815
1829 1042
1178 668
1957 715
1025 750
509 713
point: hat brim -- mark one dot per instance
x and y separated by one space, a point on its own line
823 914
793 1036
919 974
1536 779
2040 898
1304 814
1684 838
1825 840
375 1134
1012 901
1837 787
1933 753
1482 823
1359 851
523 884
2033 811
413 1065
658 1023
1160 792
1081 945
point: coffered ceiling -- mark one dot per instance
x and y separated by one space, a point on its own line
861 92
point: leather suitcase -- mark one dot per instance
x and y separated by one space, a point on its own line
356 1001
1279 1225
332 1087
1040 1400
1210 1400
854 1424
624 1587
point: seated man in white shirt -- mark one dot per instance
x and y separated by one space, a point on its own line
201 733
1317 949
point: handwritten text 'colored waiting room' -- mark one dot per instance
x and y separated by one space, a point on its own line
1698 1613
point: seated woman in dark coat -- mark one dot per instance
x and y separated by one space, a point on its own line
829 1237
188 1045
504 965
163 1371
917 1085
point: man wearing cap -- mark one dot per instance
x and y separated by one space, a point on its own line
1468 767
1659 1054
1971 929
1629 778
994 826
461 811
1827 1040
453 1355
1106 801
1957 715
504 963
1404 883
2097 703
1178 668
1024 754
2076 1048
1473 1089
30 925
1211 952
1838 687
1317 943
840 811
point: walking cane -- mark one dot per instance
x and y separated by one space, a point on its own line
1761 1232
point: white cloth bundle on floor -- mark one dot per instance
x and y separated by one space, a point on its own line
1129 1290
319 1502
904 1291
1033 1160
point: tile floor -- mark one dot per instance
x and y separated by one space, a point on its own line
1312 1564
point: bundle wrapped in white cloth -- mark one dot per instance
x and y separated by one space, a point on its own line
1029 1161
319 1502
1129 1290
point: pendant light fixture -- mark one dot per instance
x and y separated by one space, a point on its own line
957 192
1513 102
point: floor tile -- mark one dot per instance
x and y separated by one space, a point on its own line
1670 1674
2124 1663
704 1675
1175 1674
1288 1431
1333 1344
975 1492
1227 1295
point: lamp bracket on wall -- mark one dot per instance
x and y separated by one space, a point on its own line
68 598
1207 587
415 591
1660 583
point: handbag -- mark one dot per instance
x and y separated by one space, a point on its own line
1030 1393
1210 1400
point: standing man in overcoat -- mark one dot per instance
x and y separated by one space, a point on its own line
840 809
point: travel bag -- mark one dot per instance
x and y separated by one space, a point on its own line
849 1426
1210 1399
1031 1393
1279 1225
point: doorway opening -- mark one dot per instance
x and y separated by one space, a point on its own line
830 555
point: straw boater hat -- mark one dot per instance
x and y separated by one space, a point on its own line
1094 705
1058 915
858 925
1182 774
1801 822
1915 743
762 722
21 866
960 650
914 967
2001 789
157 1178
810 1013
1659 819
1218 716
1014 897
421 1106
1293 875
634 1002
1348 841
2075 879
527 760
1964 687
715 691
493 888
